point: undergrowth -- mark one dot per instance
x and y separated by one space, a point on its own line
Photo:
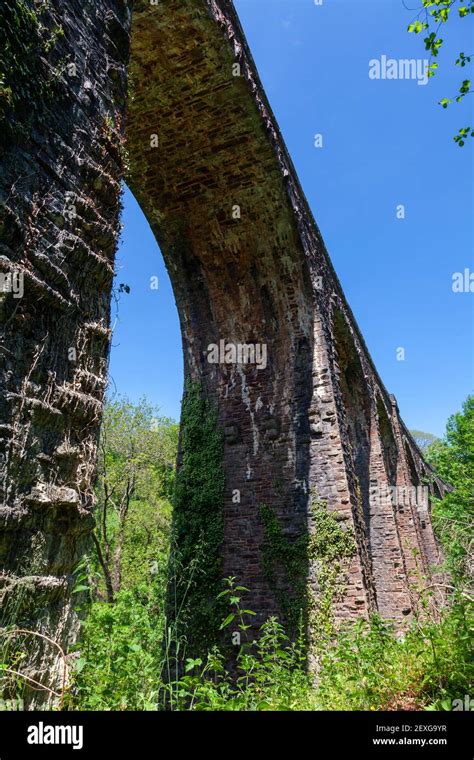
367 666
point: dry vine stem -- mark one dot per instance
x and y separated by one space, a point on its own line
16 632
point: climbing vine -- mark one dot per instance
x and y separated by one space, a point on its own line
285 565
198 524
330 547
312 565
114 141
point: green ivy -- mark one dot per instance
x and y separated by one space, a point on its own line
285 565
289 561
331 546
198 524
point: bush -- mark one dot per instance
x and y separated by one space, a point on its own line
369 667
119 662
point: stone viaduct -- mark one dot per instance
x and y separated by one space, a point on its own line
199 140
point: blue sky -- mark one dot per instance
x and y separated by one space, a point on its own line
385 143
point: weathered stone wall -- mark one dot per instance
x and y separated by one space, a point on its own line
59 193
202 140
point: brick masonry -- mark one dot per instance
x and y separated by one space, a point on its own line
317 418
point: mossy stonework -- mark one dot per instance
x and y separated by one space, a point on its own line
210 170
308 572
195 575
28 86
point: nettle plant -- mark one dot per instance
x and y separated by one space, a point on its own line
269 672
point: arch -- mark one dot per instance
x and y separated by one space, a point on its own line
357 408
389 445
415 478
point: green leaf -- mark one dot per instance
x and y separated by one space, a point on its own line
227 621
417 27
191 664
78 589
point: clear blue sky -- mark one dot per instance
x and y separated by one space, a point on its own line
385 143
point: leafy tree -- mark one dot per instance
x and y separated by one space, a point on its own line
453 459
422 439
137 456
432 16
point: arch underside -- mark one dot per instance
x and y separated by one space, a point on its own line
211 173
306 422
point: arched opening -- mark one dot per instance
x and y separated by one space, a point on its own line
357 410
138 439
389 446
146 357
211 185
415 478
